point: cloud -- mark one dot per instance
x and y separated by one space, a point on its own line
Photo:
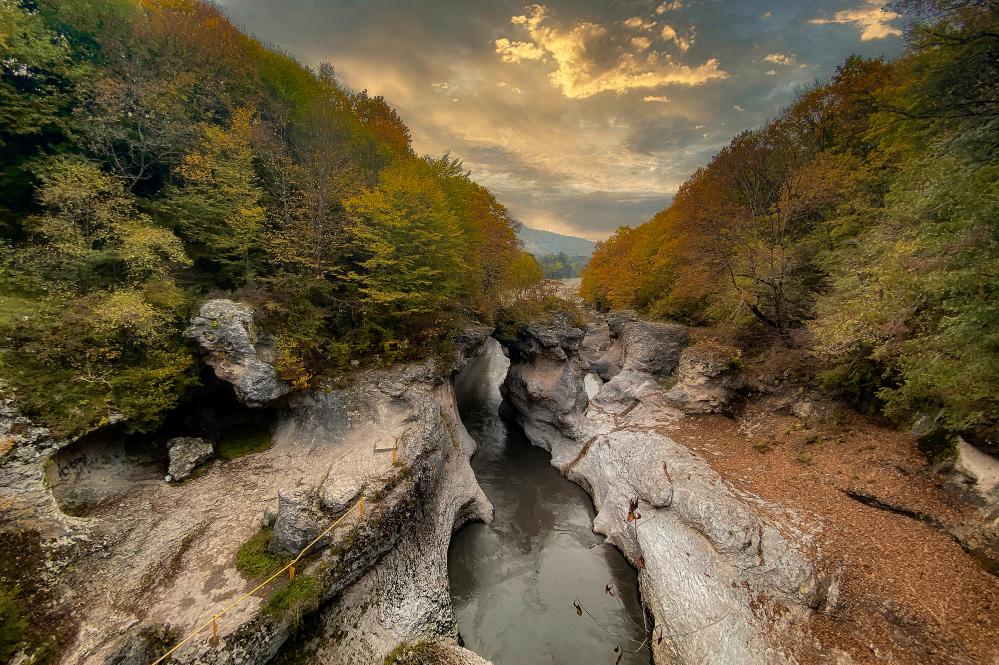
670 34
518 51
636 23
668 6
587 60
656 98
781 58
641 43
873 21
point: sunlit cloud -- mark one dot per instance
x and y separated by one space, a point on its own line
873 21
517 51
641 43
668 7
656 98
578 74
682 42
781 58
636 23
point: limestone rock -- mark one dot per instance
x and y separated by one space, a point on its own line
651 347
186 453
142 646
299 520
706 554
224 330
976 472
649 351
707 380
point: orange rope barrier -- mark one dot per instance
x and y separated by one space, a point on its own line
290 568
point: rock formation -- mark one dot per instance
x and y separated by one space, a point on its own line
166 561
723 579
225 332
186 453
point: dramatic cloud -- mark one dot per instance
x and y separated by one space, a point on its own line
579 75
873 21
582 116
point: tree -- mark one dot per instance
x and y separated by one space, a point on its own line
409 245
91 233
218 204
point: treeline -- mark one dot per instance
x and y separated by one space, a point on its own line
866 213
561 265
151 155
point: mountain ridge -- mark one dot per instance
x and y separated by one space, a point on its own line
545 243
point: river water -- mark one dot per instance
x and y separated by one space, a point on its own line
514 581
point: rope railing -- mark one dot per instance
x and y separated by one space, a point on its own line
290 569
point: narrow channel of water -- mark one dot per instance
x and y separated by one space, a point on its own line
514 581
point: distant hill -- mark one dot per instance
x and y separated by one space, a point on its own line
544 243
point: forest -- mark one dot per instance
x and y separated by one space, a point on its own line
152 155
861 223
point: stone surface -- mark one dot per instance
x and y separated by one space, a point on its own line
706 381
299 520
977 472
162 553
720 575
142 646
186 453
648 352
225 333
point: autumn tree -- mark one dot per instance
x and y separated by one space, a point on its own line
217 204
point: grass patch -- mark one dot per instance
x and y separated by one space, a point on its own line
298 597
13 624
244 439
253 558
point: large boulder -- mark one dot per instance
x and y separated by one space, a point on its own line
300 519
708 378
186 453
224 331
976 472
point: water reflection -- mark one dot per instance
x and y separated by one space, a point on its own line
514 581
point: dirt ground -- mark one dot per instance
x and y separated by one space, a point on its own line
909 592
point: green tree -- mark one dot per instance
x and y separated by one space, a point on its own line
218 204
409 244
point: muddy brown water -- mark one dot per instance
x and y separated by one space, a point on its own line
513 582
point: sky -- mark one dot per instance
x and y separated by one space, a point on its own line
579 116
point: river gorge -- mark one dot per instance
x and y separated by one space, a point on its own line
514 581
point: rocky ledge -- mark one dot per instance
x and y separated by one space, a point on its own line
161 559
724 576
